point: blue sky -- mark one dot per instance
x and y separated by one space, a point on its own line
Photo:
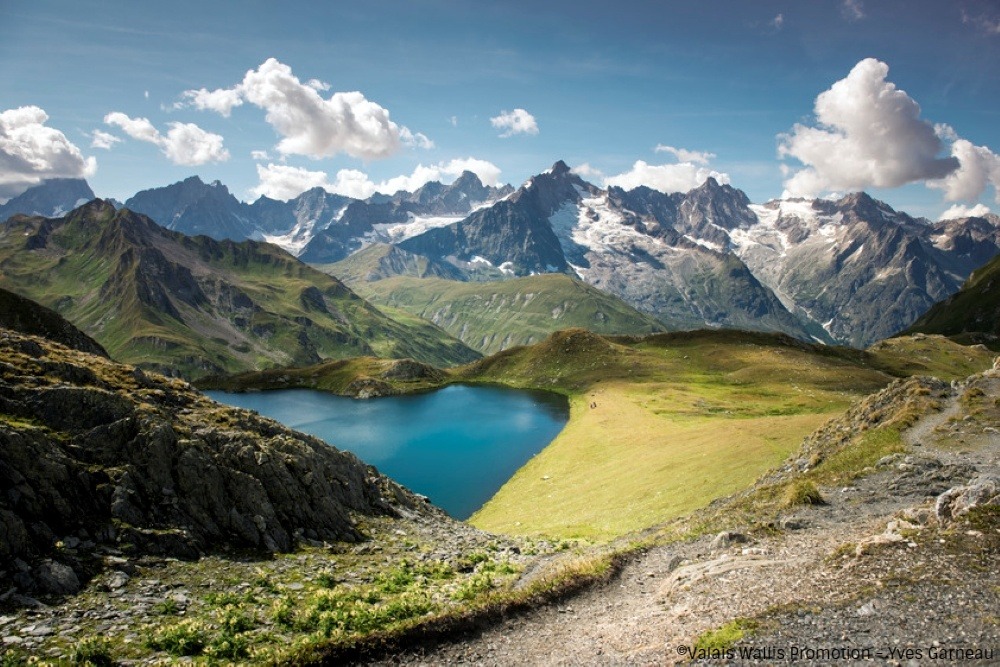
730 86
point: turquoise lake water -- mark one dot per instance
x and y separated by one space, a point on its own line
456 445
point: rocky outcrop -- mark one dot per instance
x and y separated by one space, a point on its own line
958 501
25 315
97 457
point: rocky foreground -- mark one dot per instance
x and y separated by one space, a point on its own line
889 558
140 520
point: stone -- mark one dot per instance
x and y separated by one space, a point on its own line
957 501
117 580
56 578
727 538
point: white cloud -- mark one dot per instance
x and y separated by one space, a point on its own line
279 181
221 101
853 10
978 168
454 121
586 171
414 139
684 155
514 122
868 134
777 22
310 125
184 144
680 177
285 182
960 211
259 155
31 152
102 139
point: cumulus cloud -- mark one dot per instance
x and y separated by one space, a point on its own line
585 171
102 139
259 155
514 122
680 177
978 168
184 144
684 155
960 211
308 123
279 181
221 101
31 151
868 134
285 182
414 139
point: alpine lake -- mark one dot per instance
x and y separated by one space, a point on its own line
457 445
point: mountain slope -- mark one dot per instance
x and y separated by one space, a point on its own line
855 266
28 317
558 222
393 219
494 316
51 198
103 455
195 305
974 309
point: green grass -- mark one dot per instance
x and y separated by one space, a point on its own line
935 355
493 316
660 426
724 637
196 306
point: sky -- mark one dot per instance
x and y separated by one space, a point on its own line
897 98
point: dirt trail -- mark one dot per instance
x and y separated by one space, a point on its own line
653 611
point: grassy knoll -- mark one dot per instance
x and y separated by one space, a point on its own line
662 425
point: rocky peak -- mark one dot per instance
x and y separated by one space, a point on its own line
560 168
467 180
51 198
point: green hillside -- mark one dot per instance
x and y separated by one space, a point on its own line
494 316
970 315
659 425
194 306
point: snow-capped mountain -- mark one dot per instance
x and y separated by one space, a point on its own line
381 219
851 271
317 225
51 198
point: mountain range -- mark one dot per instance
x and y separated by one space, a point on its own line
194 305
848 271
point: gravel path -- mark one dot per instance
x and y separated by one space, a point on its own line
841 581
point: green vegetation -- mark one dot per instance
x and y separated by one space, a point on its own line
725 637
802 492
970 315
169 302
935 355
660 426
493 316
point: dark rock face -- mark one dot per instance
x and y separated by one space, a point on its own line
26 316
102 456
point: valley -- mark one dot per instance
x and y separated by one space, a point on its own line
706 395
